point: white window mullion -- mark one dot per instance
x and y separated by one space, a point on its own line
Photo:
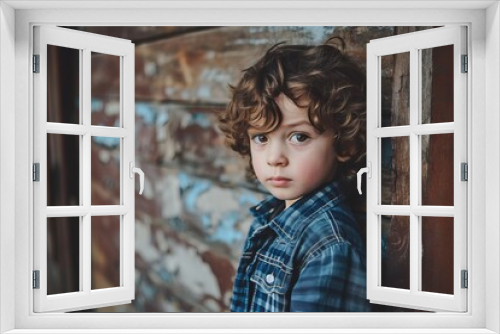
81 248
85 162
85 274
414 173
414 142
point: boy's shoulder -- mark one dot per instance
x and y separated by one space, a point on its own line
322 215
336 221
331 227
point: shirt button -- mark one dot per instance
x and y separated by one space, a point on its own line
270 278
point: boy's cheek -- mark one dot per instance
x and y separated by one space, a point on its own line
319 172
256 164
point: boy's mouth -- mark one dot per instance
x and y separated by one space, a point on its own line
278 181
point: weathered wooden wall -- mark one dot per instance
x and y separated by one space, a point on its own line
193 216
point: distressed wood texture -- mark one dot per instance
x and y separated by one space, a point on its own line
196 68
193 217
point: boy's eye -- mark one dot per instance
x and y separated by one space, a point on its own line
299 138
259 139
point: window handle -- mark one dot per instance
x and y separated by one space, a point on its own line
368 171
141 175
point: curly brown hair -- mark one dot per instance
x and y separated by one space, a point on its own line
331 84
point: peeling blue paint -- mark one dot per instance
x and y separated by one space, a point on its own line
184 181
254 30
177 224
162 118
149 292
317 33
192 195
192 189
165 275
146 111
248 199
252 41
206 221
96 105
203 91
201 120
215 75
109 142
226 231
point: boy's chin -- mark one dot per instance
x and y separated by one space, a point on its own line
284 197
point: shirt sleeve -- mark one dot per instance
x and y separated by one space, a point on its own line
332 279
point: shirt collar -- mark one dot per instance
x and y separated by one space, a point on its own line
287 222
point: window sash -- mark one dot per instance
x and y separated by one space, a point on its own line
414 298
86 43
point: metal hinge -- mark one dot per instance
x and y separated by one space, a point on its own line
464 172
36 172
36 63
465 279
36 279
465 64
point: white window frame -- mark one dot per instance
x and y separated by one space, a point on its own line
483 21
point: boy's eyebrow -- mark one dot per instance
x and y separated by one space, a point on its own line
253 129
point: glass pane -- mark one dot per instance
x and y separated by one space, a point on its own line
437 254
63 255
63 170
395 251
437 169
105 170
437 84
105 252
63 85
105 81
395 90
395 184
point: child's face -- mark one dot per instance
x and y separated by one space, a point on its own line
294 159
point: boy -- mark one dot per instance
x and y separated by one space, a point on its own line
299 114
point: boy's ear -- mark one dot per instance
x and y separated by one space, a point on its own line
345 153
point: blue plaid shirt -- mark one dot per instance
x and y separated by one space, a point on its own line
307 258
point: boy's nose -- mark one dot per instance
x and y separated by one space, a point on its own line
276 156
